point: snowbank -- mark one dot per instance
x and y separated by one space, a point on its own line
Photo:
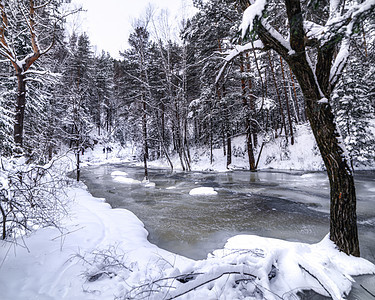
252 267
103 253
51 264
126 180
276 154
118 173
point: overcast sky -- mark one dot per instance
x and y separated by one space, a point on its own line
109 22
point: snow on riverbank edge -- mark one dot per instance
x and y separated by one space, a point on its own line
51 265
102 253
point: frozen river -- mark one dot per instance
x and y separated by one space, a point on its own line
289 205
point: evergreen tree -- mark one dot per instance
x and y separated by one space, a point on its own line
27 32
354 106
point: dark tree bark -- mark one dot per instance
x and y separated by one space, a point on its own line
145 144
249 142
20 109
343 218
287 103
283 124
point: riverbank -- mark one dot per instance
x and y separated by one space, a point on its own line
275 154
103 253
96 254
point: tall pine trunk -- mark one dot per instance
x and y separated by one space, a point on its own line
20 110
249 143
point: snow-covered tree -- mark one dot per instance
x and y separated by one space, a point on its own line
28 31
315 43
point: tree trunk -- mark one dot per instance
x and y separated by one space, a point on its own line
283 124
313 83
145 144
20 111
343 217
229 149
78 165
287 103
145 165
249 127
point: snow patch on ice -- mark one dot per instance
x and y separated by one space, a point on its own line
119 173
204 191
126 180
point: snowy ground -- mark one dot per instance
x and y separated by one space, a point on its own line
303 155
103 253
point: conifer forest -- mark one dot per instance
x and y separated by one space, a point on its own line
237 78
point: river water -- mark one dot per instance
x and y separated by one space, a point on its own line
290 205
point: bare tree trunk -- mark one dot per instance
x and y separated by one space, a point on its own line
78 164
287 103
316 88
295 96
211 137
249 143
278 95
145 144
145 165
343 217
251 105
20 111
229 149
4 227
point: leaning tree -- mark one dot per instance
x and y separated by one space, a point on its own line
315 42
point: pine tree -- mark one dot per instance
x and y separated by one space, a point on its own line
27 32
354 110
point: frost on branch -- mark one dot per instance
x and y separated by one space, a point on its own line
31 197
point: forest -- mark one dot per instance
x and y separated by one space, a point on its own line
254 70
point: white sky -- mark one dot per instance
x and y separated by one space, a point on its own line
109 23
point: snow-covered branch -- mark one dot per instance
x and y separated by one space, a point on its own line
340 62
238 49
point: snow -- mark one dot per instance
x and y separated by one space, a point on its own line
303 155
148 183
340 61
126 180
313 30
203 191
253 267
70 265
48 266
229 56
118 173
250 14
102 253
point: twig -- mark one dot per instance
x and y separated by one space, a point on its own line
367 290
210 280
316 278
